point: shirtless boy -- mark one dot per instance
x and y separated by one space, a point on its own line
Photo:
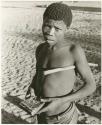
56 89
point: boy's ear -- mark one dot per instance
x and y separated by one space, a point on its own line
67 28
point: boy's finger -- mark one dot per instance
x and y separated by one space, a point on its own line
27 96
48 99
32 92
45 100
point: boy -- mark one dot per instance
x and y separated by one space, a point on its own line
56 88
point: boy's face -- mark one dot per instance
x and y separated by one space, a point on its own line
54 31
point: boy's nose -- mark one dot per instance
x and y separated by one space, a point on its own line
52 30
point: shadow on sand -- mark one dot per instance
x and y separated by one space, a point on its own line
89 111
10 118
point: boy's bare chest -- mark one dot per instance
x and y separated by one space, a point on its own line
54 59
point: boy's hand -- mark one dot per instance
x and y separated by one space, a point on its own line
30 93
53 105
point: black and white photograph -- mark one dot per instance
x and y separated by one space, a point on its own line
50 62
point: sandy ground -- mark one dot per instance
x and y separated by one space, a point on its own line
21 34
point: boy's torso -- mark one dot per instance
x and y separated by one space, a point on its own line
56 84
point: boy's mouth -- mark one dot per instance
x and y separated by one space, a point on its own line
50 42
49 39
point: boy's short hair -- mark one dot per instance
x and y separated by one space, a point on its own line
58 11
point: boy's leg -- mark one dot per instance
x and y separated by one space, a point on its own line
41 119
70 116
34 120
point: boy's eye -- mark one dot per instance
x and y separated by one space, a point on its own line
57 29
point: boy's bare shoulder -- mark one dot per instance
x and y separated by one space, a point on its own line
39 48
77 51
76 48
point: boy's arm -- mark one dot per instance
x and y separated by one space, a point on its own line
32 86
86 74
36 56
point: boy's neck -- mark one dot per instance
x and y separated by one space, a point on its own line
60 45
